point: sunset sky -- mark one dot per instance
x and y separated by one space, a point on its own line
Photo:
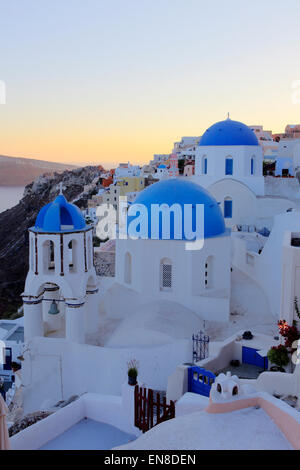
104 81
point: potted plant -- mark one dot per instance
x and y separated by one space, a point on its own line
279 356
133 369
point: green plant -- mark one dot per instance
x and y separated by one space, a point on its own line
133 368
181 165
96 241
279 355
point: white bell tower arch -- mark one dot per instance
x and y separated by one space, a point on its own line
60 290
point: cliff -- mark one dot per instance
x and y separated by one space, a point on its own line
16 171
14 224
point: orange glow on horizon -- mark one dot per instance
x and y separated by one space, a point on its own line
134 142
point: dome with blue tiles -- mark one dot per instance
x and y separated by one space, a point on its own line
228 132
59 216
176 191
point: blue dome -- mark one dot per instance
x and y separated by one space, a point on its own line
59 216
162 166
176 191
228 133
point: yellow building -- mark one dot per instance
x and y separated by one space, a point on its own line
122 187
131 184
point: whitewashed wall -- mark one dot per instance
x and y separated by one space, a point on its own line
55 369
266 269
188 270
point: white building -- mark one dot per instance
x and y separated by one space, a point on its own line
126 170
159 158
271 262
186 148
265 139
164 269
162 172
229 163
230 150
290 288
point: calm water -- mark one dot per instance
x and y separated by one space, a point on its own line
10 196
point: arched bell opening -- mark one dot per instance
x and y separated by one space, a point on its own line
53 306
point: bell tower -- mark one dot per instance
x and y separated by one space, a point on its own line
173 170
60 297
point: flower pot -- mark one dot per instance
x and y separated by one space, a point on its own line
132 380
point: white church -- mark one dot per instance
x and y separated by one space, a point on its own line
229 164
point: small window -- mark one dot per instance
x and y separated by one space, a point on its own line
229 166
228 208
51 255
208 273
71 262
252 166
204 165
72 248
166 274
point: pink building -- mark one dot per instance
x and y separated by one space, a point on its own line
173 169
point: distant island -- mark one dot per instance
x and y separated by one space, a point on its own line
17 171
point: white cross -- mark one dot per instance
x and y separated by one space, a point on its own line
61 187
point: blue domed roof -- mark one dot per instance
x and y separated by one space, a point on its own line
59 216
176 191
162 166
228 133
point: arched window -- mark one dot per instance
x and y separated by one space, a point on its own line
229 166
208 273
166 274
90 252
127 268
204 165
32 254
228 208
51 255
72 246
252 165
48 256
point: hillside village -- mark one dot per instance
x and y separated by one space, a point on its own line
194 319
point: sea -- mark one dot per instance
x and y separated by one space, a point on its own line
10 196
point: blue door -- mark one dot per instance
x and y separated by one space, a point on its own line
205 166
8 359
227 209
229 166
200 380
250 356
